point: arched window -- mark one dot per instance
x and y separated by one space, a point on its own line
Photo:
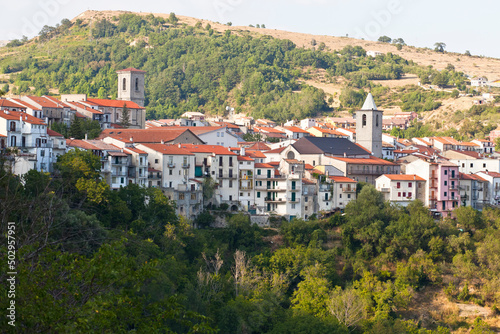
376 120
364 120
136 84
124 84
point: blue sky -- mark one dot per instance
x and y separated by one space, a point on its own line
462 25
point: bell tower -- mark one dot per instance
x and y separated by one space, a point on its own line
369 127
131 85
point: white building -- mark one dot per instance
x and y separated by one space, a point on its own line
493 179
401 189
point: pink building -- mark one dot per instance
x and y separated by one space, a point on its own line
442 192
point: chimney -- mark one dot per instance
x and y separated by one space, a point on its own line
86 136
162 141
179 145
131 139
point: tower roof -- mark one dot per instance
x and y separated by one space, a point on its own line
131 69
369 103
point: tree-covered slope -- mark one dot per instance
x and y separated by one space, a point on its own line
188 67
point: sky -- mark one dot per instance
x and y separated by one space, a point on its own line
461 25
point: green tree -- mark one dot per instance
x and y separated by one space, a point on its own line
125 117
439 47
173 19
384 39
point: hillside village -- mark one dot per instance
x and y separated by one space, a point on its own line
300 169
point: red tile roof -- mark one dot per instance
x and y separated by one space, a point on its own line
25 104
4 103
403 177
15 116
115 103
134 149
307 181
168 149
259 146
261 165
154 135
244 158
217 149
81 144
45 101
52 133
294 129
84 107
493 174
342 179
254 154
276 150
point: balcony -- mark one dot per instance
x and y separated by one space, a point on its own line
352 190
433 186
293 200
385 190
171 165
185 165
273 200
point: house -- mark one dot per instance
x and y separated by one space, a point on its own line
344 191
401 189
372 53
293 132
325 133
309 205
479 82
27 136
321 151
441 192
365 169
473 163
473 191
246 166
177 165
138 168
219 163
51 108
485 146
493 193
307 123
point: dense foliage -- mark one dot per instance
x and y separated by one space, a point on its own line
93 260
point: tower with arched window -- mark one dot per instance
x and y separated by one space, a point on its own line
131 85
369 127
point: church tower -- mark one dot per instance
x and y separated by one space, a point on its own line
369 127
131 85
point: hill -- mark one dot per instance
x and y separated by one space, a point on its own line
202 65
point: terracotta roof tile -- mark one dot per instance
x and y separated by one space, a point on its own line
342 179
403 177
115 103
16 115
366 161
217 149
168 149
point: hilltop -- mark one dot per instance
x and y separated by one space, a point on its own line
471 65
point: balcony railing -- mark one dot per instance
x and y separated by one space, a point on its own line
351 190
185 165
385 190
171 165
294 200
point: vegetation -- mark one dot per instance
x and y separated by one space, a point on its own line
101 261
195 68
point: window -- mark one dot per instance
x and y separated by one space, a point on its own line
399 194
42 153
484 165
410 184
445 183
156 161
13 141
137 84
314 162
12 126
326 196
222 134
348 195
230 197
376 120
230 173
170 172
453 173
363 120
306 199
404 193
124 84
258 194
218 134
445 194
122 180
398 185
471 165
445 172
409 195
220 172
258 172
452 194
193 196
340 196
220 161
181 196
230 183
293 206
230 161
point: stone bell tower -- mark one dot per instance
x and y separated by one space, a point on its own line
131 85
369 127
